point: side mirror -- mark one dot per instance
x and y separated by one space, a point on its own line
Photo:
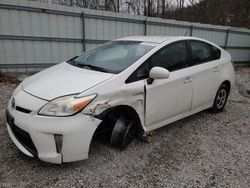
158 73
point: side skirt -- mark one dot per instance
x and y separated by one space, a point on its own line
177 117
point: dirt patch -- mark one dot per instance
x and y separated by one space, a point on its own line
9 78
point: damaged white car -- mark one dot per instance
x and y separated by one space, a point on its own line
123 88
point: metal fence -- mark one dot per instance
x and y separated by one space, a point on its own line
34 35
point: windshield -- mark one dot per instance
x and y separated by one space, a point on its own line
113 57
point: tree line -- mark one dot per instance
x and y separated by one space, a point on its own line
220 12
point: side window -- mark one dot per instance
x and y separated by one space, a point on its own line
171 57
203 52
215 52
141 73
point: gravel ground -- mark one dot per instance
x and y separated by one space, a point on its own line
204 150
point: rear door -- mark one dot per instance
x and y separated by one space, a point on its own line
204 70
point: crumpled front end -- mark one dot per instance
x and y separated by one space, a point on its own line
51 139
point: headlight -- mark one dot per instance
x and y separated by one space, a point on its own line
66 106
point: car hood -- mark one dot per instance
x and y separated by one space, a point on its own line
62 79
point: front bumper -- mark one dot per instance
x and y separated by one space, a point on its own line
76 131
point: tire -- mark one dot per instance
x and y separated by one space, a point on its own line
220 99
123 133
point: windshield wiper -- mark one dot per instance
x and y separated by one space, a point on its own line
81 65
94 67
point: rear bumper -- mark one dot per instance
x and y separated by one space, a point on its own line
76 131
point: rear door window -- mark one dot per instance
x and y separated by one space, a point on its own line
203 52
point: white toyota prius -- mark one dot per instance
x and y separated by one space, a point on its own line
121 89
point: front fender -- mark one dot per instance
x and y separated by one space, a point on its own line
129 95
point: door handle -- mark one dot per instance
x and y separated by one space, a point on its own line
216 69
187 80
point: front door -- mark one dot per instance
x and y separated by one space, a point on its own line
169 98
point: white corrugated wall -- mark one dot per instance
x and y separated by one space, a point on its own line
63 34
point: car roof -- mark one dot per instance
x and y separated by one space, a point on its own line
156 39
159 39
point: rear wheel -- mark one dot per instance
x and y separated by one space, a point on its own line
123 133
220 98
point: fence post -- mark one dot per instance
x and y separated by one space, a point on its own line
191 30
83 31
226 39
146 26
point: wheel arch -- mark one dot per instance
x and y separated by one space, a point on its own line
227 83
125 110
